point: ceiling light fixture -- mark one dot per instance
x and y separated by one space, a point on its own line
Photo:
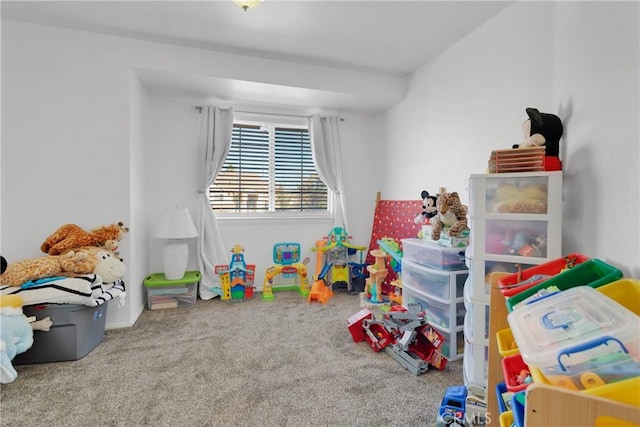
247 4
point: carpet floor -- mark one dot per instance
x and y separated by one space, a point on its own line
252 363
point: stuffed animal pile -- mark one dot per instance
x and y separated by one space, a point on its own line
88 275
84 260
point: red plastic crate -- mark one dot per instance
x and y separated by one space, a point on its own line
517 282
513 367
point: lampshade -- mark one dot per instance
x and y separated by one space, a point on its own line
175 224
247 4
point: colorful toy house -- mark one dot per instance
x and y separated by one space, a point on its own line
236 279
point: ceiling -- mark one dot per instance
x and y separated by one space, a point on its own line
388 38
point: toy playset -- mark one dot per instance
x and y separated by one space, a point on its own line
236 278
388 255
403 333
337 267
377 273
320 291
287 273
393 249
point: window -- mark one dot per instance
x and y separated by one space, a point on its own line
269 168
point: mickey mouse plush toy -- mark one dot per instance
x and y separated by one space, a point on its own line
429 209
543 129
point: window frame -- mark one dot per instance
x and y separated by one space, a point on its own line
284 121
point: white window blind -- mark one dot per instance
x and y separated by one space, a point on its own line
269 169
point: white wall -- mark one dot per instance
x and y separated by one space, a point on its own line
85 141
65 139
137 210
468 101
576 59
596 88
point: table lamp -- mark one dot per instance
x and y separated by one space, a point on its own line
175 226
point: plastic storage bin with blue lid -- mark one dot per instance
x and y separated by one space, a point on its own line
578 338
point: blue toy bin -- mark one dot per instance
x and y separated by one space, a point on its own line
503 405
517 408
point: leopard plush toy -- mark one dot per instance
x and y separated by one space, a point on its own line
71 236
451 213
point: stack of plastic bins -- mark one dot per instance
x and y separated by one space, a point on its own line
515 221
434 277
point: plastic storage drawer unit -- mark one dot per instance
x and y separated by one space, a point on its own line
578 338
163 293
447 319
76 330
443 285
433 255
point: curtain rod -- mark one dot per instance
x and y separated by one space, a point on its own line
200 107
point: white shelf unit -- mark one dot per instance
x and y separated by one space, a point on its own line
440 293
509 215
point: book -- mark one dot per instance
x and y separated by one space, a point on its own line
164 304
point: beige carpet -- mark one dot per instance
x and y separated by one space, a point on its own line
252 363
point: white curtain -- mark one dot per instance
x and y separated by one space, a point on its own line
215 136
325 148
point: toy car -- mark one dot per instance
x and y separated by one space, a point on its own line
452 408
